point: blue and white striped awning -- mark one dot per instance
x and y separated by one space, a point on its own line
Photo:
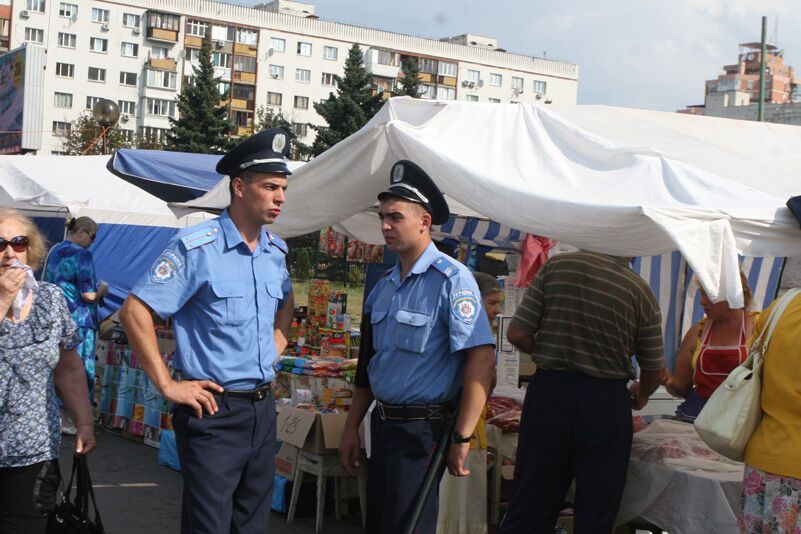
476 231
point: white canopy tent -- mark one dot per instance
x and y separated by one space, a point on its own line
619 181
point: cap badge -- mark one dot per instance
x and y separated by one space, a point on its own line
279 142
397 173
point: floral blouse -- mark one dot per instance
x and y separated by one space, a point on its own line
30 426
72 268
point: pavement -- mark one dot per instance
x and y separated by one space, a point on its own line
137 495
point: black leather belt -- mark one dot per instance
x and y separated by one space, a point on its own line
260 393
411 412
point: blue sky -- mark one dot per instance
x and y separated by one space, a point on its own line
652 54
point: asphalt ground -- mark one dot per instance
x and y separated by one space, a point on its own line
136 495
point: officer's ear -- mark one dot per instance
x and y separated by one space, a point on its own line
425 219
236 186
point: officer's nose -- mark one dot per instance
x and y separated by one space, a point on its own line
280 196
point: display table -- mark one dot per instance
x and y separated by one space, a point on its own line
696 493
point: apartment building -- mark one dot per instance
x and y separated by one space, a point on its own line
140 52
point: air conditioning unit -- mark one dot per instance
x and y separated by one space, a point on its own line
137 31
538 96
220 44
104 27
125 117
468 83
24 14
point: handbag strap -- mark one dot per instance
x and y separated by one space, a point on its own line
775 314
85 491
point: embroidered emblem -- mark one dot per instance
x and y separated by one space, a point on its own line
397 173
279 142
167 267
464 305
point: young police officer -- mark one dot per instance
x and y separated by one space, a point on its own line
425 336
225 284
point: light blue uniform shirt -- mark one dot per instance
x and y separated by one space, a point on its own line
222 299
421 327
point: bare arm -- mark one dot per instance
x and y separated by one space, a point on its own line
350 444
69 378
642 390
680 384
520 339
283 320
95 296
138 324
478 374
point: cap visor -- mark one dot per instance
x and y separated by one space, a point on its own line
272 168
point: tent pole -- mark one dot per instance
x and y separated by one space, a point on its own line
761 108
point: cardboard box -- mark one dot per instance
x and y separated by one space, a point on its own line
285 461
318 433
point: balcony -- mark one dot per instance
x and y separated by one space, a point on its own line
242 104
382 63
425 77
246 50
223 73
242 131
164 36
162 64
449 81
193 41
245 77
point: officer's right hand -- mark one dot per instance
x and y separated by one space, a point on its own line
195 394
350 450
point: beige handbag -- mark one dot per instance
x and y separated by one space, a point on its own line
731 415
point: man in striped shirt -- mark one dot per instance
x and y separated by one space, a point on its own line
583 317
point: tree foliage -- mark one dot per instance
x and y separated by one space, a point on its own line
350 108
410 81
85 137
202 125
267 117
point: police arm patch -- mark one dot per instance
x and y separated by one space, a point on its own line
167 267
464 305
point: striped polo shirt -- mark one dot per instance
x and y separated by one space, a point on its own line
590 313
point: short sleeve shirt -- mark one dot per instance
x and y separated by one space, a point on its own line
421 327
72 268
30 427
222 298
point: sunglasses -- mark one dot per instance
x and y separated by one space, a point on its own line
18 244
91 236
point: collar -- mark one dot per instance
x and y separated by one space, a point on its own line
420 266
232 236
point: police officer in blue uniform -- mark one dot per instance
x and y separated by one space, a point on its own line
226 287
425 337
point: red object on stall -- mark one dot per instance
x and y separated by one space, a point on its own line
533 255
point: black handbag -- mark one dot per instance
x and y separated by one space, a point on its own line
71 515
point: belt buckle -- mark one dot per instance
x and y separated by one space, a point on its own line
258 394
381 412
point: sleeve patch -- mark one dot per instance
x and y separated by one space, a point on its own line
167 267
464 305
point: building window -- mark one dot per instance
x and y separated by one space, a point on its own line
302 102
189 79
97 74
278 44
99 15
221 59
35 5
472 98
130 20
153 135
67 10
540 87
517 84
242 118
304 49
222 33
160 107
385 57
300 129
245 63
473 75
196 28
163 21
193 55
129 50
224 88
330 52
92 100
428 65
328 79
244 92
161 79
65 70
496 80
277 72
446 93
128 78
61 129
62 100
34 35
159 52
96 44
447 69
127 107
248 37
275 99
302 75
428 91
494 100
67 40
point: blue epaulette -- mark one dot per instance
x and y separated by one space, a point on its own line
200 237
445 265
278 243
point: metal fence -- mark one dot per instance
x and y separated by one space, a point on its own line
305 261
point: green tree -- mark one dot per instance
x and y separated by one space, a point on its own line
350 108
410 81
202 125
267 117
85 137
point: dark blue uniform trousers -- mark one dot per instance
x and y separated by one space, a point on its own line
573 425
228 466
399 456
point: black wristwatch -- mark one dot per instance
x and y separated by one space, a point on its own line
458 438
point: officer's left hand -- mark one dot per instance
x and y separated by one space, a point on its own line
457 454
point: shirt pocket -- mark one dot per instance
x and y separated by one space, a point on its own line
274 296
377 325
231 303
413 329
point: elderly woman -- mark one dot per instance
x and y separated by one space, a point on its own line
71 267
710 351
37 352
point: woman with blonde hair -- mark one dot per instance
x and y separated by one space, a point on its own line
37 361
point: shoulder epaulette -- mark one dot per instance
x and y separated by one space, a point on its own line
445 265
278 243
200 237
